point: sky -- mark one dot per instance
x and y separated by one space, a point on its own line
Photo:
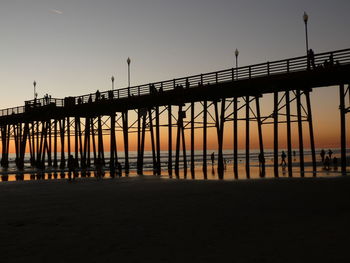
73 47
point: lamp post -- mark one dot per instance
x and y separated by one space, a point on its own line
236 55
128 61
112 79
34 84
306 18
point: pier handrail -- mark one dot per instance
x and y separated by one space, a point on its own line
285 66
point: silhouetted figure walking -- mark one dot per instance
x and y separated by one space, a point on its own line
212 158
283 157
323 154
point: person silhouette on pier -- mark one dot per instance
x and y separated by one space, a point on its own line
323 154
97 95
311 59
212 158
283 157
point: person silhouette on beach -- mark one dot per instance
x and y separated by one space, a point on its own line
283 157
323 154
119 169
326 163
335 163
71 165
212 158
261 159
98 167
330 152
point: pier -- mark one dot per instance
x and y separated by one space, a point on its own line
85 124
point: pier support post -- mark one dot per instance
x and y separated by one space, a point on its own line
143 134
93 139
150 121
300 132
126 140
76 139
247 137
32 159
158 167
261 143
49 151
178 137
311 131
235 137
55 144
86 157
220 122
138 164
192 141
170 168
205 117
68 136
289 134
275 133
62 135
112 146
342 129
183 144
101 152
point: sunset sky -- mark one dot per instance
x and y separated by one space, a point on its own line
73 47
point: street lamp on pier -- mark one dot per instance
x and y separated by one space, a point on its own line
112 79
236 55
306 18
35 94
128 61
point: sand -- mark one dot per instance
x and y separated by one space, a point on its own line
160 220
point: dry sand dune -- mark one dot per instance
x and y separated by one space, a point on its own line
161 220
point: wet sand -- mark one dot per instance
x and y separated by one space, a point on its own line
149 219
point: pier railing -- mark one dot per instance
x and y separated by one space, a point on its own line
303 63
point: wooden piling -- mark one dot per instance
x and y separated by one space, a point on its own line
235 137
311 131
170 169
247 137
126 140
275 133
158 167
205 117
289 135
192 141
300 132
261 143
342 129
